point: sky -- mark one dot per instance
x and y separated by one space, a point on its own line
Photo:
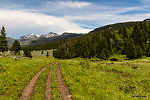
22 17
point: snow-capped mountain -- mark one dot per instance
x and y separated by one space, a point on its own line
35 39
32 36
51 34
37 36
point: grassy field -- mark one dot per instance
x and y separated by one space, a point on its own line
15 74
106 80
87 79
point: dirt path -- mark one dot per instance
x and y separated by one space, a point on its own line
64 91
48 95
28 90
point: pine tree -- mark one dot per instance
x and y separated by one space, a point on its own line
42 52
99 48
47 55
27 53
144 27
147 51
103 55
16 46
120 31
137 35
149 31
3 41
124 32
131 50
139 52
53 53
125 46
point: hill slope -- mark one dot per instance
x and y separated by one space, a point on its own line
116 26
131 39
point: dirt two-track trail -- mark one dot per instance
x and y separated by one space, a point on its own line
28 90
64 91
48 95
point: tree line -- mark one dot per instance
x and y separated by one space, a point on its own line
133 41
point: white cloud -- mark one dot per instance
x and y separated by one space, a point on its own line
75 4
69 4
103 15
73 15
21 22
106 18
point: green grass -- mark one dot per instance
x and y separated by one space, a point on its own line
106 80
55 87
86 79
15 75
39 89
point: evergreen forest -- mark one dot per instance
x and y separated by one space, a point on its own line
132 40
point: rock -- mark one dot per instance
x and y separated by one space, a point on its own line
18 57
69 96
113 59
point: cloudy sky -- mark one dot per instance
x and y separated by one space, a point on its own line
22 17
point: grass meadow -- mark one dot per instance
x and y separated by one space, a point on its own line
15 74
87 79
106 80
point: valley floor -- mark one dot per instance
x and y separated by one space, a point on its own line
79 79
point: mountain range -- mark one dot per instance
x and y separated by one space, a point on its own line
36 39
37 36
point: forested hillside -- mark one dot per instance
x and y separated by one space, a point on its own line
131 39
116 26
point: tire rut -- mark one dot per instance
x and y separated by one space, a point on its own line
48 95
28 90
64 91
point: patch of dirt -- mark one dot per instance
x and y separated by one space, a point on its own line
64 91
48 95
28 90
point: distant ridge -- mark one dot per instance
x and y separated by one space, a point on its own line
115 26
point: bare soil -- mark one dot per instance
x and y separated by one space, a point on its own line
64 91
48 95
